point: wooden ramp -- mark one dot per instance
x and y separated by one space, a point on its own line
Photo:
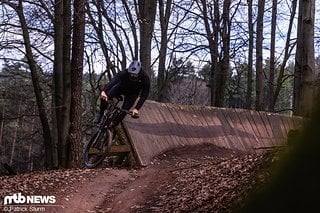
165 126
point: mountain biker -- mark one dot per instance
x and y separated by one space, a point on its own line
132 83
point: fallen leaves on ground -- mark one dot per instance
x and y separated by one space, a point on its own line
45 182
208 184
197 179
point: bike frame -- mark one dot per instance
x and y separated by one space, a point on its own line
99 145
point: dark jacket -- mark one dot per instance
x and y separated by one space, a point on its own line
127 87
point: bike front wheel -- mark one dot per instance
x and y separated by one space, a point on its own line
97 148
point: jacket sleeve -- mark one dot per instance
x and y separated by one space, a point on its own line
115 80
144 93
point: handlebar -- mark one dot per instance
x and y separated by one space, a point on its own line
118 99
129 113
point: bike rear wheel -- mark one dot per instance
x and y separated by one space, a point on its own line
97 148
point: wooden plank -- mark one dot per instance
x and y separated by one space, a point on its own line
210 114
142 133
265 119
287 122
177 133
247 129
195 130
277 128
231 124
264 137
256 142
116 149
177 114
207 131
227 129
244 131
160 132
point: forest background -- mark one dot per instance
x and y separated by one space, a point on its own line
253 54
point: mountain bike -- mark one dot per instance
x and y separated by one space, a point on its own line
99 145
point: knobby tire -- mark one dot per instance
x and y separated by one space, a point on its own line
97 148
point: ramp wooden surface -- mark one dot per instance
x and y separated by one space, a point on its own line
165 126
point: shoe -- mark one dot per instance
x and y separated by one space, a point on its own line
97 118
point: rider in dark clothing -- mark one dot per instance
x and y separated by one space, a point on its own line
132 84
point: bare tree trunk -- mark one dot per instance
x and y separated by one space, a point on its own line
304 74
259 56
213 38
65 126
147 15
58 81
272 55
164 21
66 94
2 126
30 160
15 135
30 167
250 56
34 75
76 82
223 71
287 52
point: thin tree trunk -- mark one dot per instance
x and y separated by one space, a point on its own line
287 52
272 57
15 135
133 28
64 107
259 57
36 85
65 125
164 21
213 37
30 166
98 27
250 56
58 81
30 160
2 126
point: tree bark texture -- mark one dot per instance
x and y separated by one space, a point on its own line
272 57
250 56
147 15
164 21
223 71
259 57
76 82
304 74
58 82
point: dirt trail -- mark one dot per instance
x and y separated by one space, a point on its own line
189 179
115 190
122 190
91 194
